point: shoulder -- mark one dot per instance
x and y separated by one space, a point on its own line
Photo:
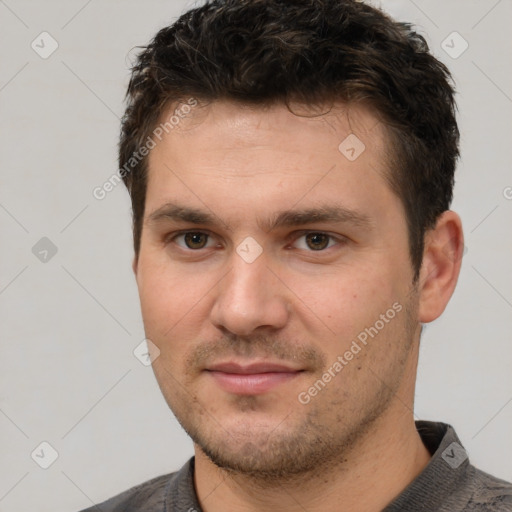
488 493
148 496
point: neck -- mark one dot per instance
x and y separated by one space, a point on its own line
378 467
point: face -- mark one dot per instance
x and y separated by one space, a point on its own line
275 280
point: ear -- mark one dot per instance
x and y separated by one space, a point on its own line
442 259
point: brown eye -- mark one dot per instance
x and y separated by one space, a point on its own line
195 240
317 241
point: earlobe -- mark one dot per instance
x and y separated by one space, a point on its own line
442 259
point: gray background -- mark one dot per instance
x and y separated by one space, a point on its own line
70 324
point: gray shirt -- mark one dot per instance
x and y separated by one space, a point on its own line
449 483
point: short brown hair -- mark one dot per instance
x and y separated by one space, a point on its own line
314 52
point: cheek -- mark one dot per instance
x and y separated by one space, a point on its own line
347 300
350 306
174 300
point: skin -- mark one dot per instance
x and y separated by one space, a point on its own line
354 445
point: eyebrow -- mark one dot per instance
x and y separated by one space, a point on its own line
286 218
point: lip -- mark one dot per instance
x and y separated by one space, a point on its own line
251 368
251 379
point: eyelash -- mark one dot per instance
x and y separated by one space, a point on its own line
294 237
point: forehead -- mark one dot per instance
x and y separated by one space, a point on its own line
234 124
228 131
233 153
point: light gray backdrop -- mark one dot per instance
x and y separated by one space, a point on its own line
70 320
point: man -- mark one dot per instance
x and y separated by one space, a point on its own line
291 166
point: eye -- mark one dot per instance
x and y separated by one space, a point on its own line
192 240
315 241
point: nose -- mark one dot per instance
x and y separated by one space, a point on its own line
250 297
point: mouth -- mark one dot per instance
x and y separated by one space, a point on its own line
253 378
